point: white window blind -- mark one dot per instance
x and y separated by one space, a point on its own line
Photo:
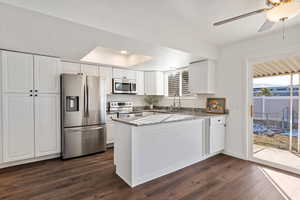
178 83
185 83
173 84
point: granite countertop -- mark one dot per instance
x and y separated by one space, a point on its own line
157 118
162 115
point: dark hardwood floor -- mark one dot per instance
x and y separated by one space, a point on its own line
93 177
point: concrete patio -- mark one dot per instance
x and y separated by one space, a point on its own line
275 155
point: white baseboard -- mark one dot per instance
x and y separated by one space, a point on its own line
234 155
21 162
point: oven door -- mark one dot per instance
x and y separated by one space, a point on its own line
121 86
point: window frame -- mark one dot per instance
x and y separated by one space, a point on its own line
181 70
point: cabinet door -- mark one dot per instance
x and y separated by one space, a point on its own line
109 133
17 73
47 71
124 73
154 83
18 127
149 84
71 68
159 78
217 134
106 73
90 70
47 124
140 83
202 77
119 73
130 74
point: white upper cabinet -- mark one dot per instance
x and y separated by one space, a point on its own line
46 73
71 68
47 126
17 69
140 86
90 70
18 127
124 73
106 73
154 83
202 77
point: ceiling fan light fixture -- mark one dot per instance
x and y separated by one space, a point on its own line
283 11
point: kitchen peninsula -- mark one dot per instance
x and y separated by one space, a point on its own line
155 145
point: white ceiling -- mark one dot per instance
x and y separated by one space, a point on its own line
186 22
185 27
33 32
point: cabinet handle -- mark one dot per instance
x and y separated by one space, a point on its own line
35 95
30 90
30 95
36 90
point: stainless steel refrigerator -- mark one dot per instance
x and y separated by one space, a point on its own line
83 110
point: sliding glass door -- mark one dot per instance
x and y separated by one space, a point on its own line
276 119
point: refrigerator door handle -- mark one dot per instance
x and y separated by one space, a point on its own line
85 128
87 99
84 100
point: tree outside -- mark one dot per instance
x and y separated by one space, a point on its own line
264 92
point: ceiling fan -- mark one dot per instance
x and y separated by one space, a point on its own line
277 10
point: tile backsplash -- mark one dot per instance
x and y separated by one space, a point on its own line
198 101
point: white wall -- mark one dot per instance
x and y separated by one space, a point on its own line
232 80
196 102
137 100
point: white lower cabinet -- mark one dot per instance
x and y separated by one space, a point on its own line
47 124
31 126
109 133
110 128
30 106
217 134
18 127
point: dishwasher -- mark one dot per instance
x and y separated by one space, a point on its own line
214 135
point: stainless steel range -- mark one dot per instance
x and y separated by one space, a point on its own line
123 109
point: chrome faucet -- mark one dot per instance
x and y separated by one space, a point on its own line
175 107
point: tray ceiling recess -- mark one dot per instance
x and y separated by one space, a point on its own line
120 58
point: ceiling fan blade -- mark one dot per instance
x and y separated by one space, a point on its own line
241 16
266 26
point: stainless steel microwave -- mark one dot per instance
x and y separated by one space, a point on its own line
124 86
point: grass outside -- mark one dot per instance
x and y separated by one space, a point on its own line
276 141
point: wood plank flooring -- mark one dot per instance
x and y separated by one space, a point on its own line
93 177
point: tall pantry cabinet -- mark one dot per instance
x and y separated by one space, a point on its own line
30 106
